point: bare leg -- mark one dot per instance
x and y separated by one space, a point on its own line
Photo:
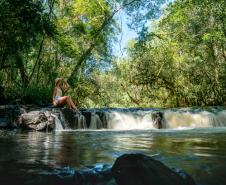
72 103
67 100
69 103
62 101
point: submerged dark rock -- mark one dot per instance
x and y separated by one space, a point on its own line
129 169
138 169
187 178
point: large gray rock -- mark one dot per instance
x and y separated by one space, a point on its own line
49 118
37 120
138 169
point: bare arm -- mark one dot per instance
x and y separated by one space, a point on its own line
54 93
66 86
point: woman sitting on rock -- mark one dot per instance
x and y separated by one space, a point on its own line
61 87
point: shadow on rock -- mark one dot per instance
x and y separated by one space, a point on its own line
129 169
138 169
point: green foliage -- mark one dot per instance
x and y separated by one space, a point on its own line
21 23
179 61
182 63
39 95
43 40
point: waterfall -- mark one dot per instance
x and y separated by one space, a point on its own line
58 124
195 120
128 120
186 119
221 119
78 121
82 122
95 122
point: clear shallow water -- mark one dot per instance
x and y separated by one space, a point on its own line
200 152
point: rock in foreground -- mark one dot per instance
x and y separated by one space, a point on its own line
129 169
138 169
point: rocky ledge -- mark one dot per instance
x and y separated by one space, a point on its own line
36 118
50 118
128 169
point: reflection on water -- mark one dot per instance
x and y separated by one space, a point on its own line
201 152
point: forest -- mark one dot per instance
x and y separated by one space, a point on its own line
178 58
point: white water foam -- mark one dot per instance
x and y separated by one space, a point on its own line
128 121
95 123
82 122
180 119
58 124
194 120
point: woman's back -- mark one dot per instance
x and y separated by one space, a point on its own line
59 92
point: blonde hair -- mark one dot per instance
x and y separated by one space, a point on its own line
57 80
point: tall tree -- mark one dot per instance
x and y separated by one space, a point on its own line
22 24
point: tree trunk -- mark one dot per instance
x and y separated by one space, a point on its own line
23 75
87 53
38 60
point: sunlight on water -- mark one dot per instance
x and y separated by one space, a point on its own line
191 139
199 151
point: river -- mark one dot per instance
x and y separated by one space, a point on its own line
199 151
192 139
